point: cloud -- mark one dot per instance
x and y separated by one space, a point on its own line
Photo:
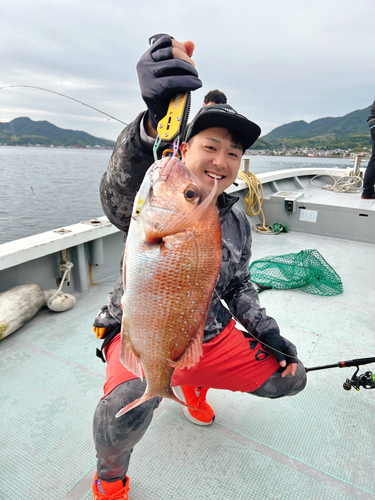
276 61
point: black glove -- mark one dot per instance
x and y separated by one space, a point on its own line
104 323
161 77
275 344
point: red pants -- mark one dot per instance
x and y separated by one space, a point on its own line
230 361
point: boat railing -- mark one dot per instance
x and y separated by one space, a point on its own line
93 246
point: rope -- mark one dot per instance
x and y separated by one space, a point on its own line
253 198
345 184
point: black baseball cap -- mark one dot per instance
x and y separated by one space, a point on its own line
223 115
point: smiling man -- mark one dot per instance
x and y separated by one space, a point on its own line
259 361
215 142
215 156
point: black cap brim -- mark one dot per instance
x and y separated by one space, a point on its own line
223 115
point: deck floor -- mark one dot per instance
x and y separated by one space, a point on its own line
317 445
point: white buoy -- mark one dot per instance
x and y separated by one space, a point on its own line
18 305
58 301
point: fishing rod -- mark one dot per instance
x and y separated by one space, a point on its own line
63 95
366 380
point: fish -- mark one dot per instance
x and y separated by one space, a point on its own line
172 261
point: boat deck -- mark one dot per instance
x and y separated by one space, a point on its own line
317 445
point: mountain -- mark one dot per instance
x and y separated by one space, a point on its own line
345 132
24 131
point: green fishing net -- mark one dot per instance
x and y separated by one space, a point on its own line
306 270
278 228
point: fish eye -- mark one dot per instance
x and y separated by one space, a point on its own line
191 193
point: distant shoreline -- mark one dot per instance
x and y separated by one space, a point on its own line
39 146
274 155
337 157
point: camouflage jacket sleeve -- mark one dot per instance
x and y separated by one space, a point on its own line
128 164
241 296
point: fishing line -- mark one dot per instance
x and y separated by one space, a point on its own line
14 132
63 95
254 337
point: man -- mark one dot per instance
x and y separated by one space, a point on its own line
106 322
215 142
369 179
108 319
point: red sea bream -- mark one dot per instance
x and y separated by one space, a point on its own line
171 265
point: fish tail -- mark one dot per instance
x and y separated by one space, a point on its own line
134 404
173 397
170 395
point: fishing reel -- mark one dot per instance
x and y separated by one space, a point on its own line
366 380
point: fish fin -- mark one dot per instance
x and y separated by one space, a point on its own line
191 356
130 359
173 397
134 404
182 222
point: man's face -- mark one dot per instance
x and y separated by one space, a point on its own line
211 155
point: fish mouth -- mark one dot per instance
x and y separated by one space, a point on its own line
166 168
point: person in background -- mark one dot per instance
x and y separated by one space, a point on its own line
261 362
214 97
369 179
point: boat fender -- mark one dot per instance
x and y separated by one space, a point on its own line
58 301
18 305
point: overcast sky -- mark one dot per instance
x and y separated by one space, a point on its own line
277 61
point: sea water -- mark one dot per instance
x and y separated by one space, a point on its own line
49 188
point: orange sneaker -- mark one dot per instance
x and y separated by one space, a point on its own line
196 397
104 490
